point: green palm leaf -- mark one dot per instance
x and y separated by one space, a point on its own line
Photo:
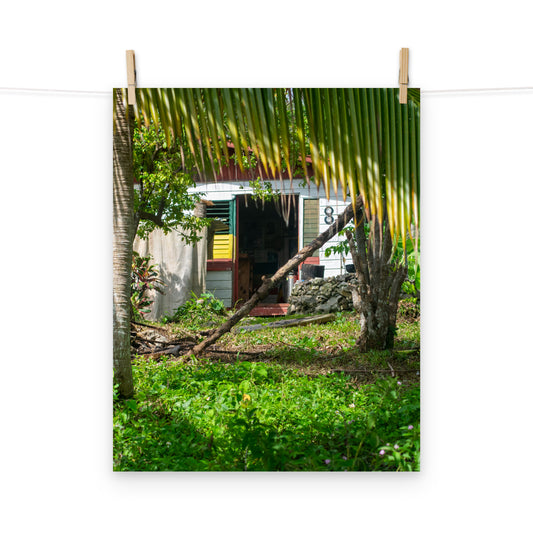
362 140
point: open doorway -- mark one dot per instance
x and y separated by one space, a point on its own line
265 243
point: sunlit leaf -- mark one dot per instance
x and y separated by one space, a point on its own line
361 139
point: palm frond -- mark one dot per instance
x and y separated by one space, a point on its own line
362 140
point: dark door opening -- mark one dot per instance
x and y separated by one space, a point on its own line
265 243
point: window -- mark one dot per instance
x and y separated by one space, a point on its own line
220 238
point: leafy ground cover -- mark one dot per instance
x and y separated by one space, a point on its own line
295 399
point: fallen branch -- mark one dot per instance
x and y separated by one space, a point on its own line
177 348
263 291
174 350
142 340
146 325
169 347
321 319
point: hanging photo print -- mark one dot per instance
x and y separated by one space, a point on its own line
266 280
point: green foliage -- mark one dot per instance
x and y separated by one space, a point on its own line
342 247
144 277
198 310
248 160
161 192
262 190
410 254
253 416
404 455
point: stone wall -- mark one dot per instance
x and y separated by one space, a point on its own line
319 295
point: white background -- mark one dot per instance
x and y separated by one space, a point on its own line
56 171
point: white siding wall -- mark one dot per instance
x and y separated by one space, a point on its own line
220 284
334 264
222 190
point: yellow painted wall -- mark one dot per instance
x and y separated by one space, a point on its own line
223 247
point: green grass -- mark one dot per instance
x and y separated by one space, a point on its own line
255 416
295 399
322 348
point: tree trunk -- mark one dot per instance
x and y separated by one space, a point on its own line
122 244
263 291
379 283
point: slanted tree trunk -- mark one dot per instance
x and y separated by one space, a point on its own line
263 291
122 244
379 283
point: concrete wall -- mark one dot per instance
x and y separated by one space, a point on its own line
182 268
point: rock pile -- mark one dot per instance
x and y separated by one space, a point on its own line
319 295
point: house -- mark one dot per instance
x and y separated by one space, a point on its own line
256 238
248 239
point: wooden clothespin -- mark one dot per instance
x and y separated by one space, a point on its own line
132 76
404 74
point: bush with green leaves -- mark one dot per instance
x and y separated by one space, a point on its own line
259 417
144 277
412 285
198 310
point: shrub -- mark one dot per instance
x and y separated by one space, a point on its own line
198 310
409 309
144 277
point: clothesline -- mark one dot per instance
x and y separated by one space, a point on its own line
478 90
422 91
57 91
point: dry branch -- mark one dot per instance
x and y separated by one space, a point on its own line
321 319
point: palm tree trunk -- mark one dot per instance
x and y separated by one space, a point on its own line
122 244
379 284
